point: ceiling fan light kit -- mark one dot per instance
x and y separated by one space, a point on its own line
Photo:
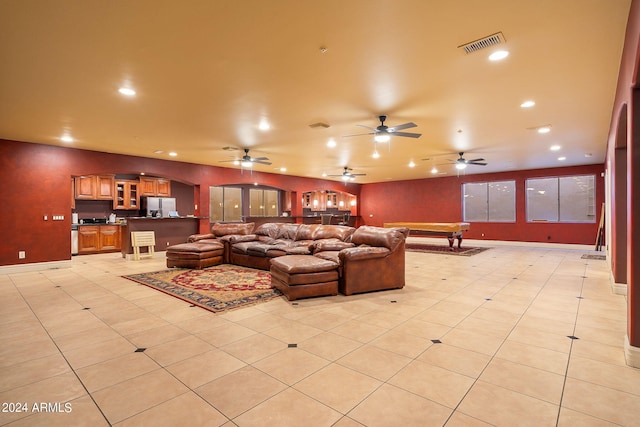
247 161
383 133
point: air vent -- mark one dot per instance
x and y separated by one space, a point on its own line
492 40
319 125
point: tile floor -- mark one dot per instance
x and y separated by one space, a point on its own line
470 341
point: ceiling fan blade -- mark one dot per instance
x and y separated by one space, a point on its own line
475 160
259 159
477 163
368 127
262 162
359 134
407 134
400 127
358 174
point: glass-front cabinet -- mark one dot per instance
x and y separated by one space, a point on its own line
127 196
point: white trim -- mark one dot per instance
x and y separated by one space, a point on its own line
617 288
631 353
34 266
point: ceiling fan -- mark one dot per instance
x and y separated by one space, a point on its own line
462 163
348 176
383 133
246 160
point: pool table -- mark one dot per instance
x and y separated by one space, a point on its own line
451 230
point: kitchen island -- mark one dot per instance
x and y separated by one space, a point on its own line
168 231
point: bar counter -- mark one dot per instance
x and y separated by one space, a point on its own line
168 231
306 219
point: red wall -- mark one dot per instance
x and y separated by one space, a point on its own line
36 181
440 200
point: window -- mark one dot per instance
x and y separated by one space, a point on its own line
263 202
489 201
225 203
561 199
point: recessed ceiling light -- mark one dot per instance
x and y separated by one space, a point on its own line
554 148
562 158
434 170
173 154
127 91
528 104
498 55
66 138
324 174
283 169
412 165
264 125
158 152
331 143
544 129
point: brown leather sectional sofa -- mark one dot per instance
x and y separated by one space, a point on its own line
365 259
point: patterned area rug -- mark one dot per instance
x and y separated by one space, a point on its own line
443 250
220 288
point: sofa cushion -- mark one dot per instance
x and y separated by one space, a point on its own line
330 245
389 238
302 264
305 231
287 231
363 252
268 229
333 232
241 247
195 247
258 249
333 256
223 229
237 238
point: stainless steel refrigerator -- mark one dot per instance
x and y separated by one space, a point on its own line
158 206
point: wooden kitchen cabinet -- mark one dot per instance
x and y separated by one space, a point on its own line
94 187
109 237
155 187
98 238
127 195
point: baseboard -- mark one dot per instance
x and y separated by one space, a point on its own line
144 255
617 288
631 353
34 266
492 243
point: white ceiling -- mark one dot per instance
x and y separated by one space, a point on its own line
207 72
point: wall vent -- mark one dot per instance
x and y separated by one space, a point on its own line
319 125
492 40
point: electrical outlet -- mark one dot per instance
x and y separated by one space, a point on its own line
22 254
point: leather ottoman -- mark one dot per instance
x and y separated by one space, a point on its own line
195 255
302 276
